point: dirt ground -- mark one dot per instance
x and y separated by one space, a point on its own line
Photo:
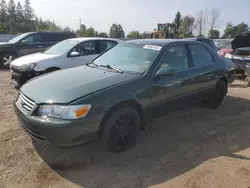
191 148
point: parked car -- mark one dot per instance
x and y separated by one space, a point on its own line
207 41
112 97
28 43
65 54
224 46
241 52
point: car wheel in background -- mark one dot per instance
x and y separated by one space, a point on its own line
217 97
6 59
121 130
246 82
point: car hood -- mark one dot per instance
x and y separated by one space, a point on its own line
5 44
241 40
66 85
32 58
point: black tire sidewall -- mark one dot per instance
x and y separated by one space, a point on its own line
106 142
222 86
247 81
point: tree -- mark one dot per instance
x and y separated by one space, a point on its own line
67 29
214 34
135 35
186 26
177 22
213 17
20 18
103 34
201 20
232 31
11 11
3 15
116 31
90 32
28 14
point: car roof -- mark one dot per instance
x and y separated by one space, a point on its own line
81 39
197 38
160 42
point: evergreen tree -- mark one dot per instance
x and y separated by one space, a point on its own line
3 16
177 22
28 14
11 11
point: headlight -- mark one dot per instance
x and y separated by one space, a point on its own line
64 112
27 67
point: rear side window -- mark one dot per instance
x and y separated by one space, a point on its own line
210 43
51 37
201 56
67 36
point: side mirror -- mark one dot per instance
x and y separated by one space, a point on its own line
23 42
74 54
165 72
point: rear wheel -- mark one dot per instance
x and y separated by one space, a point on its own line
214 101
121 130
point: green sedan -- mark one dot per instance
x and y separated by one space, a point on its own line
111 98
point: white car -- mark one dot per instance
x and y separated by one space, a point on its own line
66 54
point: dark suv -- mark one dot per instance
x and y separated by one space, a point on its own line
207 41
28 43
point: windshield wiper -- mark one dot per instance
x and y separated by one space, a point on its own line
93 63
111 67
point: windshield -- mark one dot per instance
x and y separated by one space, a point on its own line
129 57
18 38
61 47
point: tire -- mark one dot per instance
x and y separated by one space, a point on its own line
217 97
7 58
246 82
117 135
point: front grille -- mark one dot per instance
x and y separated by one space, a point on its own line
25 103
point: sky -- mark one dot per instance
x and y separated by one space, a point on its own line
141 15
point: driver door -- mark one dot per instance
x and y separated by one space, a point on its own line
87 52
172 91
30 44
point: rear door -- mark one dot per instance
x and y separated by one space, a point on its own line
50 39
203 72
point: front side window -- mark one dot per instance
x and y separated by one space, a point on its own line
86 48
130 57
201 56
175 58
62 47
32 39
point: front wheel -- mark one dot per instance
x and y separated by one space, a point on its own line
121 130
217 97
7 59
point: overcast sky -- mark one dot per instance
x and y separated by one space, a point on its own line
142 15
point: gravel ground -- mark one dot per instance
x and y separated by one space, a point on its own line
191 148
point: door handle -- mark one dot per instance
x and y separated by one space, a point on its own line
40 46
